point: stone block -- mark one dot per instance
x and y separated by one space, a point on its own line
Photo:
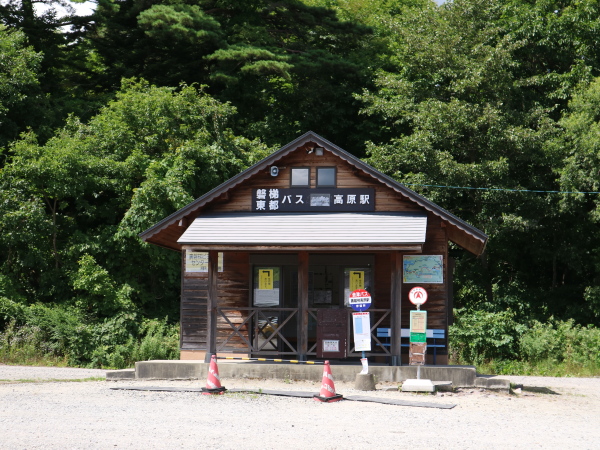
364 382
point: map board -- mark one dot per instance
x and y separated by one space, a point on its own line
423 269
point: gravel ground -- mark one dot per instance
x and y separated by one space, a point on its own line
43 408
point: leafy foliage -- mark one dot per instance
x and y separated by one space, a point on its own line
479 95
502 344
472 100
19 83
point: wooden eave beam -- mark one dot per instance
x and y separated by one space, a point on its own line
417 248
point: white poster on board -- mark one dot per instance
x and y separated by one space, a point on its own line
362 331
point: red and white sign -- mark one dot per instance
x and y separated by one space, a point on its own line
417 295
359 300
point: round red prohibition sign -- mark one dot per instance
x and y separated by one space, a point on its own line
417 295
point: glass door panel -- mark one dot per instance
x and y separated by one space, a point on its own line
267 295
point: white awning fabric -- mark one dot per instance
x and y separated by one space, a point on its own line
307 229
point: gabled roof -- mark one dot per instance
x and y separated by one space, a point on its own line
166 232
307 229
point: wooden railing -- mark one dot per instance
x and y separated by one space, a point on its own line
259 330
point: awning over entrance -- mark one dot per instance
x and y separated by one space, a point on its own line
307 229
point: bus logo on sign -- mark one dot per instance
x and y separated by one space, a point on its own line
417 295
360 300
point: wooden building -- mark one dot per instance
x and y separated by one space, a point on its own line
269 257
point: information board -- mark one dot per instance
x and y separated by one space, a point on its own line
418 326
362 331
423 269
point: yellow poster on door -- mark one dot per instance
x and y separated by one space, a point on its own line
265 279
357 280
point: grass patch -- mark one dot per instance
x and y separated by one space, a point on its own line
52 380
545 368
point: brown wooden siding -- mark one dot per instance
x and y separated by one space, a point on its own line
233 288
386 199
193 310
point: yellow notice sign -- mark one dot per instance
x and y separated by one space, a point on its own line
265 279
357 280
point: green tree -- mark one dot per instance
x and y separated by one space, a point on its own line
579 144
78 202
472 102
66 66
19 84
287 67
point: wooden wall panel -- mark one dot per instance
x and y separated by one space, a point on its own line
233 287
240 198
194 294
234 291
381 296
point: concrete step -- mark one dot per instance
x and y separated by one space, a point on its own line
491 382
123 374
459 376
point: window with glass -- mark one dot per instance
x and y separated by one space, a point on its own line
326 176
300 177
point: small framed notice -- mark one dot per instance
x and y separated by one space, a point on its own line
198 261
331 345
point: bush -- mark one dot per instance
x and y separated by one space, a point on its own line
10 310
58 334
25 345
498 344
157 339
479 336
561 342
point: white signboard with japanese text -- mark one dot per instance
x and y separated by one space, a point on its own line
198 261
313 200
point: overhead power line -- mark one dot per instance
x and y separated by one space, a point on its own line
500 189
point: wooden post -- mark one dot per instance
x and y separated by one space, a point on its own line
302 305
211 305
396 307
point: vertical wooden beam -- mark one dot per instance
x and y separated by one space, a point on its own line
396 307
181 299
211 305
302 305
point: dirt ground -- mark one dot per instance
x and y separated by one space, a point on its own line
44 408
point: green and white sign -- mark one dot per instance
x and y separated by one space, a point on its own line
418 326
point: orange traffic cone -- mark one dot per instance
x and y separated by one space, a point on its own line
213 382
327 387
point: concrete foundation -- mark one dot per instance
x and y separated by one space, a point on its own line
459 376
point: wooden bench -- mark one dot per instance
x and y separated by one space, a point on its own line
434 336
